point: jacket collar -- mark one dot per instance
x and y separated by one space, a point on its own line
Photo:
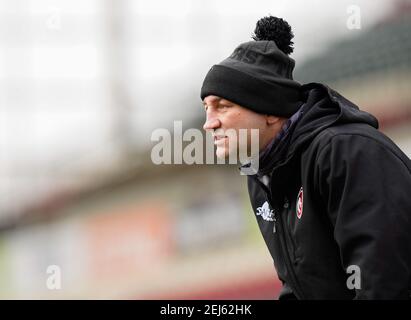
278 142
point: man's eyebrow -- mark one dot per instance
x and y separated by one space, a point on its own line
225 102
213 100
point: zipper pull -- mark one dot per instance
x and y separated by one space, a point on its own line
274 222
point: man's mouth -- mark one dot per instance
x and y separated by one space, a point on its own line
218 139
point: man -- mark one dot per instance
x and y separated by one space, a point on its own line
332 193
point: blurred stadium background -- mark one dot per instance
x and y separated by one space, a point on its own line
82 86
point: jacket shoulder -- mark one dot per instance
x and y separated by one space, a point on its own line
349 131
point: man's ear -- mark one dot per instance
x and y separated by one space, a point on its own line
271 120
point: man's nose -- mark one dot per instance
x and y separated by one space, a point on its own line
211 124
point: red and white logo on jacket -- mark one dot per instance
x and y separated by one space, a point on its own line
299 206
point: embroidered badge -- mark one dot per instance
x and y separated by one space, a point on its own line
265 212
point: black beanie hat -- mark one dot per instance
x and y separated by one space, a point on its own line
258 74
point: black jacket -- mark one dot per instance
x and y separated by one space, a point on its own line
338 195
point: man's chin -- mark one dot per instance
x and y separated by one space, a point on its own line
224 154
221 154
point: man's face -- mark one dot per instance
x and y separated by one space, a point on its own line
222 115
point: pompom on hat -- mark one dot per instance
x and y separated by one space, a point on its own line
258 74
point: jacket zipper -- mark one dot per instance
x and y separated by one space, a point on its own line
285 253
287 259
